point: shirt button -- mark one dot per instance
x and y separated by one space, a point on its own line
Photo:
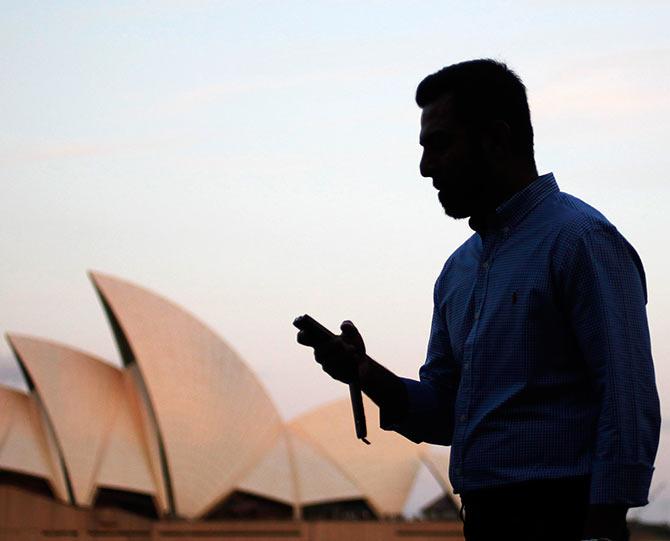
486 264
466 366
463 418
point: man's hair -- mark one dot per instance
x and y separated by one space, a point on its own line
483 90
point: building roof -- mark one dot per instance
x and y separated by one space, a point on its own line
94 413
188 423
26 443
438 464
383 471
214 417
297 473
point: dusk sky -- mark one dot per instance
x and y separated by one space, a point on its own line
253 161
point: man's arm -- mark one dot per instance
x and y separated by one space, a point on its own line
604 292
419 410
429 415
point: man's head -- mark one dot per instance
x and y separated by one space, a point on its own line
476 135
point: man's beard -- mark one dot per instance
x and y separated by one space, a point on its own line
454 207
465 191
467 196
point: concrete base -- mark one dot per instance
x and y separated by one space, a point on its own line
26 516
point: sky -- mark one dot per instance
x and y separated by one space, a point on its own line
253 161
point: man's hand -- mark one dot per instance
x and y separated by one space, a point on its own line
341 356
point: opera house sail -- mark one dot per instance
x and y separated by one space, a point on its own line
93 408
186 430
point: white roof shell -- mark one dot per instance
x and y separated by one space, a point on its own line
94 411
297 473
384 471
215 418
26 444
438 464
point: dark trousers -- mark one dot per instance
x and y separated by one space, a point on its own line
544 510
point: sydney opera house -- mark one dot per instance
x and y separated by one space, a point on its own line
184 441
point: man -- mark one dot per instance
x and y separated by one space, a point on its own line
539 371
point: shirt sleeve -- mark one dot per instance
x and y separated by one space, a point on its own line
429 416
605 291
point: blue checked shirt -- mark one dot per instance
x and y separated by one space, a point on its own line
539 360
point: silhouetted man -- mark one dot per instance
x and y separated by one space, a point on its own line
539 371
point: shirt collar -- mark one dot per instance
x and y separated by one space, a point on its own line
510 213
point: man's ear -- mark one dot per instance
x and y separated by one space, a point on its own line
497 140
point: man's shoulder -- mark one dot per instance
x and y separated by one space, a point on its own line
574 213
574 217
584 232
569 217
562 218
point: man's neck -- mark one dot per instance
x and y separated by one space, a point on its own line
512 182
502 189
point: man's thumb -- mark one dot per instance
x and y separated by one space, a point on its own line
351 334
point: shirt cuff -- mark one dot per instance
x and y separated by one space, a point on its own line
421 418
624 484
392 414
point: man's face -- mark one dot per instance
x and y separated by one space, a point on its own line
453 158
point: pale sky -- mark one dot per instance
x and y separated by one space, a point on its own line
253 161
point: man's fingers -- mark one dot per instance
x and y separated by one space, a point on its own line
322 349
336 367
322 357
336 355
306 339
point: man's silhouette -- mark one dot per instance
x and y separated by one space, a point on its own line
539 371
